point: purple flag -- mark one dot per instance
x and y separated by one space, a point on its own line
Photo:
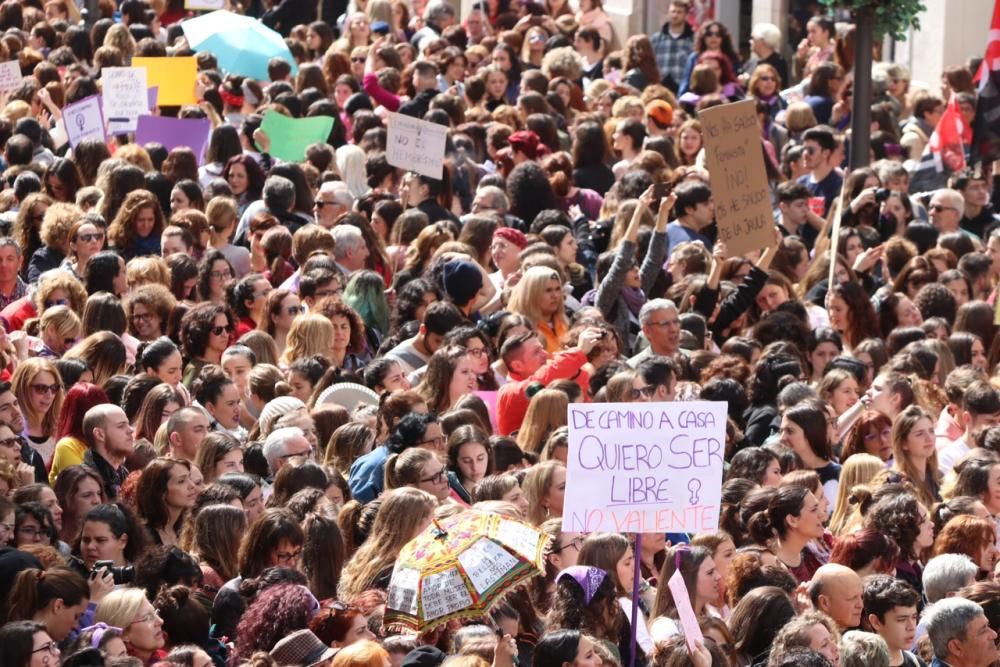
175 132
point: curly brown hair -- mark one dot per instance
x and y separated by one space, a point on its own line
276 613
334 306
602 618
898 517
121 231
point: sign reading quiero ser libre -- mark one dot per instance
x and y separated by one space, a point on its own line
644 467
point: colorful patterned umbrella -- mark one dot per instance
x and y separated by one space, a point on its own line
459 566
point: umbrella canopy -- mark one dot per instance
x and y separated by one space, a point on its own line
241 44
459 566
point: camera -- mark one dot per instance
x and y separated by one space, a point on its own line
881 194
121 575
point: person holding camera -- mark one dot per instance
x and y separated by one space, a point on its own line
110 541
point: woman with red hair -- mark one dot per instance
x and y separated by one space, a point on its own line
339 625
72 444
972 536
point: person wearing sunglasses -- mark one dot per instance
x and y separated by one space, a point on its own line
205 333
40 394
945 210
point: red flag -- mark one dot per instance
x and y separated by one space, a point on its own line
946 145
986 130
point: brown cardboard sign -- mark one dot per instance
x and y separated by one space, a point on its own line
735 161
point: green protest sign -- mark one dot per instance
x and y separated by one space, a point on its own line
291 136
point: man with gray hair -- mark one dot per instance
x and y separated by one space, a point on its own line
491 199
333 200
349 250
946 209
960 634
863 649
946 574
438 15
284 443
661 326
12 287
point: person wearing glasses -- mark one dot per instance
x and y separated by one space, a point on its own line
142 627
28 644
40 394
946 209
333 200
215 275
205 333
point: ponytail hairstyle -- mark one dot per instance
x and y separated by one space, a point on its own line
770 523
120 521
733 492
151 355
35 589
688 560
405 469
355 520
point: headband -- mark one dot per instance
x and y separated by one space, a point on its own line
100 629
229 98
248 93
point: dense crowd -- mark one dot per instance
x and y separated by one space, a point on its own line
233 388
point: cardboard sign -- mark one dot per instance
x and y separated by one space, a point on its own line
10 75
174 132
125 97
735 161
644 467
291 136
83 120
175 77
685 611
416 145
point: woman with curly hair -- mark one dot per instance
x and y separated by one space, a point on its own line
904 519
851 314
309 335
348 349
411 302
245 178
28 225
451 374
54 234
205 333
276 613
585 599
372 564
215 276
164 494
136 228
148 310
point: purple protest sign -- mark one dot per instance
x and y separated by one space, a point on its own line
174 132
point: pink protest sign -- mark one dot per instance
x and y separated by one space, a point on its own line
644 467
685 612
490 399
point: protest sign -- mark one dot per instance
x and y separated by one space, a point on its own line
206 5
125 97
10 75
174 132
685 611
644 467
735 160
415 145
291 136
174 76
83 120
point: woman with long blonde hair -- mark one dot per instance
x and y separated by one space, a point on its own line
539 297
309 335
914 453
546 412
39 391
858 470
402 515
545 487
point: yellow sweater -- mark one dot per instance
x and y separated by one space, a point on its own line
69 452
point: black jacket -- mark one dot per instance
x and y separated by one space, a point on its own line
419 105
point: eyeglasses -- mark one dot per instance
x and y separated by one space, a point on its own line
11 443
436 443
321 204
885 433
218 331
138 317
56 302
358 59
937 208
45 388
478 352
288 556
148 618
221 275
575 543
436 478
87 238
30 531
664 323
766 78
291 454
646 391
51 647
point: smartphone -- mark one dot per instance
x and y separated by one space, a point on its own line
380 28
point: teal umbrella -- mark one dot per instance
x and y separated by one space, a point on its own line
241 44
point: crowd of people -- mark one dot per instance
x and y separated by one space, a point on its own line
233 387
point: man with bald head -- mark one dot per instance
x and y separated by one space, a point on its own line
109 441
837 591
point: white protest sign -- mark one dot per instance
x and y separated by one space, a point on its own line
205 4
644 467
416 145
83 120
10 75
125 97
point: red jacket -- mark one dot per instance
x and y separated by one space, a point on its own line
512 404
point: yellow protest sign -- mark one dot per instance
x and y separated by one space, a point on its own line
174 76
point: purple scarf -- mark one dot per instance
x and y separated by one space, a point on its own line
589 579
634 299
